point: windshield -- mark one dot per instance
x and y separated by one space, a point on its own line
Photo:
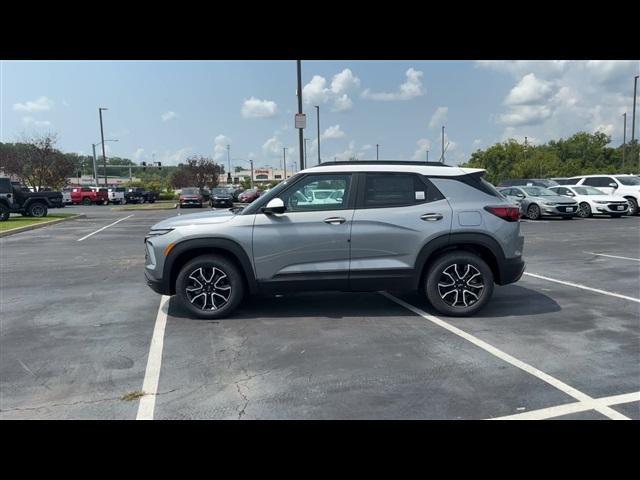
538 192
630 180
587 191
190 191
273 193
220 191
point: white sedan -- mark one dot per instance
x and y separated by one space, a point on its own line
593 201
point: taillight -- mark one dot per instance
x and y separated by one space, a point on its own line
506 212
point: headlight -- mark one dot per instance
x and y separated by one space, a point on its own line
601 202
156 233
549 204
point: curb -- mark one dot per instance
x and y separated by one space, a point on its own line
40 225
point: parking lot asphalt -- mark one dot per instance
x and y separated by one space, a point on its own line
77 320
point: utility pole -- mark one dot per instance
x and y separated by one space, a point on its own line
442 157
104 156
633 121
300 130
624 139
318 122
305 152
377 151
427 156
284 161
251 162
229 162
95 169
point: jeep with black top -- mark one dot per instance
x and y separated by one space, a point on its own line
14 199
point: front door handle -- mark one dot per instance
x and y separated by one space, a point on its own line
432 217
335 220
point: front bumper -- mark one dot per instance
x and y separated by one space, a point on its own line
157 286
222 203
562 210
612 208
190 203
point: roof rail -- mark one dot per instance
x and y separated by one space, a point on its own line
381 162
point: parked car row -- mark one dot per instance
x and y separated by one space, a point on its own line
223 197
582 196
106 195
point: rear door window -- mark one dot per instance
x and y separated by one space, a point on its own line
382 190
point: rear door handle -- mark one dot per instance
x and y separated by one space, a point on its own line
335 220
432 217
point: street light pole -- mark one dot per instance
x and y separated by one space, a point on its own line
633 120
305 152
624 139
229 161
284 161
442 157
318 122
251 162
104 155
95 170
427 156
377 151
300 130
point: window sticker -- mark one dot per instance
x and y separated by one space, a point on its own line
420 196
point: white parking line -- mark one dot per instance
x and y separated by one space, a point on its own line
584 287
103 228
614 256
154 361
569 408
560 385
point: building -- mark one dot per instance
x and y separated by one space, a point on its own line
260 175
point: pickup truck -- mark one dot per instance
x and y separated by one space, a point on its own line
88 196
140 195
15 199
117 195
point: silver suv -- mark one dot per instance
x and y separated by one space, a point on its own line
346 226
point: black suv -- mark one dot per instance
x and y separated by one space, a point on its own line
16 199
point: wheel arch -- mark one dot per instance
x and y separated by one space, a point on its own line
190 249
480 244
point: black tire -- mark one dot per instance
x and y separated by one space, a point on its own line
222 273
533 212
86 201
4 213
633 206
584 210
453 267
37 210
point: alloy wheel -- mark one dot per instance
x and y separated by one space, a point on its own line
460 285
208 288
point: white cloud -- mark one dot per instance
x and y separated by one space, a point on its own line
30 121
220 146
528 90
518 68
610 71
421 150
477 142
39 105
604 128
256 108
342 104
316 92
332 132
439 116
272 148
525 115
344 81
137 155
166 116
412 88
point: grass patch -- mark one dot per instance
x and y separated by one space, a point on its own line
128 397
18 221
147 206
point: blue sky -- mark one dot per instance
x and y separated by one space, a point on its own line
174 109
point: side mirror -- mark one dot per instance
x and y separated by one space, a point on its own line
613 185
275 206
570 194
519 195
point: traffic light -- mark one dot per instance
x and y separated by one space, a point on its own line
144 166
159 165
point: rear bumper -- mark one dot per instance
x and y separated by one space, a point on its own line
510 270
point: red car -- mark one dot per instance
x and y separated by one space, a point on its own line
87 196
249 196
191 197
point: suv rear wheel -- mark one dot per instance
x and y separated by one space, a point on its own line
459 284
4 213
210 286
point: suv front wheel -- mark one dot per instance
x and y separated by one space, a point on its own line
210 286
459 284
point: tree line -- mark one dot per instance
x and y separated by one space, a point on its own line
581 154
